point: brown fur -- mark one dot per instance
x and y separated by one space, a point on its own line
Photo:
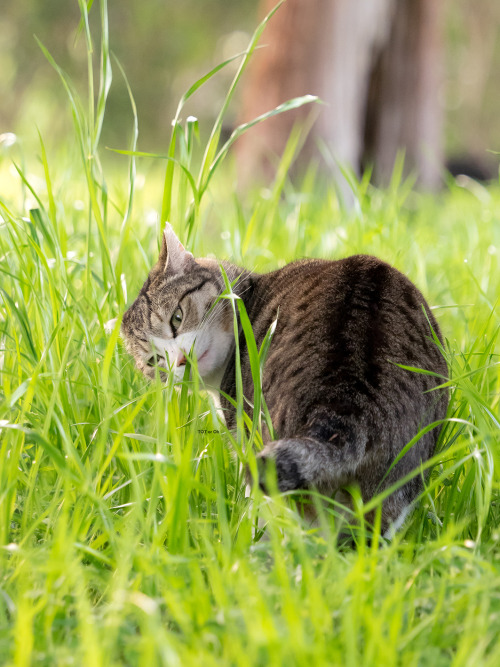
341 407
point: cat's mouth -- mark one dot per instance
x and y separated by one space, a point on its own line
203 355
182 359
175 362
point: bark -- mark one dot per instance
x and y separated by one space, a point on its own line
285 67
328 48
404 112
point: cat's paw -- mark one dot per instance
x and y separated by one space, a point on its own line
288 471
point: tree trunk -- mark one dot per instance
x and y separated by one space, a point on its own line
285 67
404 112
327 48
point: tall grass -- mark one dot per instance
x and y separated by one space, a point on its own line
126 535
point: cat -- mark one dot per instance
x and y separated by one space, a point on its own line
341 406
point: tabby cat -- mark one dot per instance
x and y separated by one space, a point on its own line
340 405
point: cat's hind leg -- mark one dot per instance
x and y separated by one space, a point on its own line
333 451
325 453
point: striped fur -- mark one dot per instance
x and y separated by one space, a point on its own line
339 403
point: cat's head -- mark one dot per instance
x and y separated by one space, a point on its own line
174 315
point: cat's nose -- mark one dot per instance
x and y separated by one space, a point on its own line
181 359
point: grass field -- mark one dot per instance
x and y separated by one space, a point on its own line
125 534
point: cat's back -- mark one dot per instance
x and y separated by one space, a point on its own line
342 328
330 297
339 380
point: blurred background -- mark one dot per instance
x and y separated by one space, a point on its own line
418 74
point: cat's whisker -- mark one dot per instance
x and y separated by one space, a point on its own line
213 314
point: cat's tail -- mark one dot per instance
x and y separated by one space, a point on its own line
333 451
325 452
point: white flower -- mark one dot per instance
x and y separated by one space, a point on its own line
110 325
7 139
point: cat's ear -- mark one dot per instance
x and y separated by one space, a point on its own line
174 258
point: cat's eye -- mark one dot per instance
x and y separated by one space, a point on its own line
176 318
153 360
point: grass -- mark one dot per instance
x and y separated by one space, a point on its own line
126 537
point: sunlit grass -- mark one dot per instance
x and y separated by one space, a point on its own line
126 535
